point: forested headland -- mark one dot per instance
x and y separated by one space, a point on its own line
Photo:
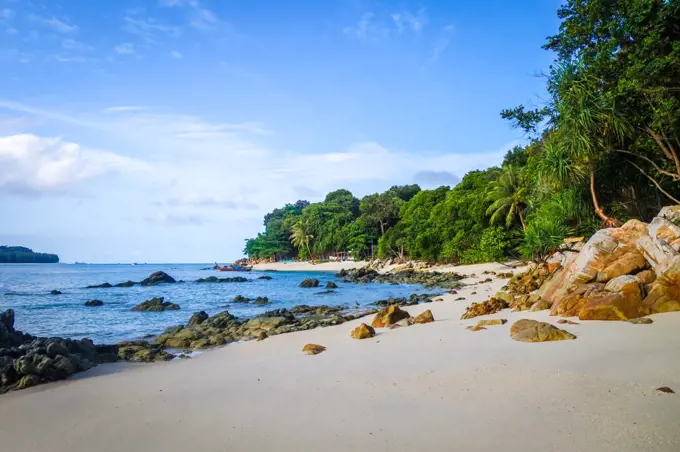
601 149
22 255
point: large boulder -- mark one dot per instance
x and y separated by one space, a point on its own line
664 293
157 278
620 300
197 318
526 330
388 316
309 283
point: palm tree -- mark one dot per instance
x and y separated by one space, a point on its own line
588 125
302 236
508 197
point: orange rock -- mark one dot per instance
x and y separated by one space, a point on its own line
363 331
389 315
570 305
475 328
490 322
424 317
566 322
664 295
313 349
526 330
553 266
490 306
646 276
630 262
621 300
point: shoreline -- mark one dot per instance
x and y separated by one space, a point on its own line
337 266
434 386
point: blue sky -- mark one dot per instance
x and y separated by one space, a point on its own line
163 130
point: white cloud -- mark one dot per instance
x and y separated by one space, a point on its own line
54 23
440 45
126 48
175 54
35 165
124 108
72 44
148 29
198 16
407 21
367 28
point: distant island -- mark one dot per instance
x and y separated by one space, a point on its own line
23 255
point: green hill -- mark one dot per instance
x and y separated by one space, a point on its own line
23 255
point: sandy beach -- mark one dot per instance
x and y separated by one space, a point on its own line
426 387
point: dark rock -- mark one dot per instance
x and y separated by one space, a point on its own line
428 279
94 303
156 304
331 285
240 299
309 282
100 286
197 318
324 292
142 351
665 389
157 278
125 284
261 300
265 277
55 292
215 279
7 319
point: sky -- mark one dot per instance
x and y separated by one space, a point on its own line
163 130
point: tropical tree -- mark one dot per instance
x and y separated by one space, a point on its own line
302 236
508 196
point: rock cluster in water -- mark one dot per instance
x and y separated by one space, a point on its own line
245 300
27 360
152 280
309 283
215 279
366 275
223 328
156 304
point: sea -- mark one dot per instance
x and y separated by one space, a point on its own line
25 288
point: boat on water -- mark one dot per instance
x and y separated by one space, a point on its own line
232 268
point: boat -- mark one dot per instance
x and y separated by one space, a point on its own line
232 268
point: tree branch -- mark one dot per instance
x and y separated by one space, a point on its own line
655 183
669 151
656 167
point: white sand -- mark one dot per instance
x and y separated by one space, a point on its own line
434 387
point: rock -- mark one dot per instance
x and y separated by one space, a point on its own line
363 331
567 322
265 277
156 304
313 349
641 321
215 279
92 303
125 284
240 299
630 262
665 389
331 285
424 317
27 381
475 328
620 300
646 277
100 286
266 323
197 318
526 330
540 305
261 300
490 322
388 316
143 352
7 319
55 292
491 306
157 278
506 297
262 336
309 283
664 294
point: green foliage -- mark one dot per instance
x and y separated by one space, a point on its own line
542 237
23 255
493 245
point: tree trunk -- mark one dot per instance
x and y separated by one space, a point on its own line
382 228
608 222
521 220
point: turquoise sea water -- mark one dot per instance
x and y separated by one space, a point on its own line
25 288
